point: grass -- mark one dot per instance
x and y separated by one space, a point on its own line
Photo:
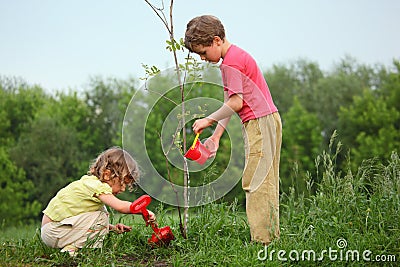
348 216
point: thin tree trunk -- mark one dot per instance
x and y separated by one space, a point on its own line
170 28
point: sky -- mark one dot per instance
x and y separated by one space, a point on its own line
61 44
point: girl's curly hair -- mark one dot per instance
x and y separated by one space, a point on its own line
120 163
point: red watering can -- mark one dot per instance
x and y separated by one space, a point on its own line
198 152
161 236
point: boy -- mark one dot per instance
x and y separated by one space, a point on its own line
245 92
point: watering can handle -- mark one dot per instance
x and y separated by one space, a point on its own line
195 141
139 207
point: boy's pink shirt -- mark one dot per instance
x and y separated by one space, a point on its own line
241 75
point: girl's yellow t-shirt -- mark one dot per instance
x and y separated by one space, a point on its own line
76 198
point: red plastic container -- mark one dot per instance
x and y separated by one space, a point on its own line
198 152
161 236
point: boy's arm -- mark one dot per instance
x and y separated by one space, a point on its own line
212 143
222 115
232 104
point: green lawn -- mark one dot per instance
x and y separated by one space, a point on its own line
351 220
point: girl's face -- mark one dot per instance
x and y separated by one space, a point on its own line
117 184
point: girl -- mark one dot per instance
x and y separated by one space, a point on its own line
77 216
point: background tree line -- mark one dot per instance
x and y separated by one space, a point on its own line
49 139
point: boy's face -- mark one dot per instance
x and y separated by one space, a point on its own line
210 53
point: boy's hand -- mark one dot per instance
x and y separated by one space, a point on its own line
200 124
212 145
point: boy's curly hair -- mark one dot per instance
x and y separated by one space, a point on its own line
201 30
120 163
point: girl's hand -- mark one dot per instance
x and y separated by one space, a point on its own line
120 228
152 217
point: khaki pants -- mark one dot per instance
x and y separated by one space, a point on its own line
87 229
263 139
